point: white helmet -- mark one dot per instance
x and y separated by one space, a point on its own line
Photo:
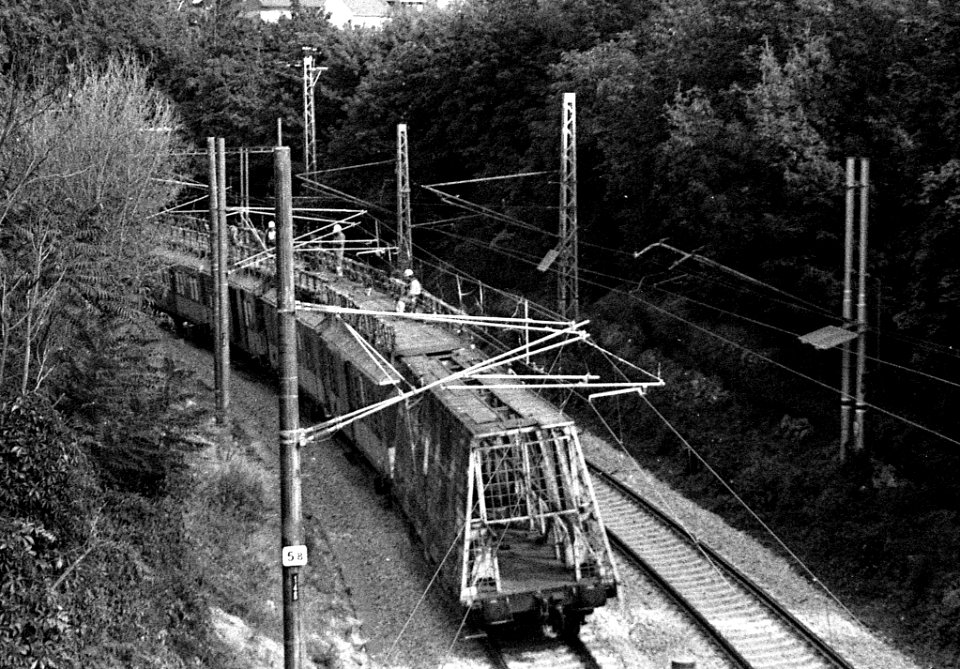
336 227
408 272
271 224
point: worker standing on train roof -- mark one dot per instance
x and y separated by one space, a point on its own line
414 289
271 233
339 241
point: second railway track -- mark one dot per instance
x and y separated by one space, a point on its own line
752 629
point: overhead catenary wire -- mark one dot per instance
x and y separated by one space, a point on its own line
780 330
331 170
177 209
946 350
346 196
723 268
454 200
795 372
529 259
758 355
485 211
499 177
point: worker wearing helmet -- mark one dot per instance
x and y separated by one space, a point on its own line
271 234
339 241
412 294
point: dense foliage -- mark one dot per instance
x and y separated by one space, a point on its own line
90 576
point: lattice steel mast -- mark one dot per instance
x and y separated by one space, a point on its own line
568 283
311 75
404 226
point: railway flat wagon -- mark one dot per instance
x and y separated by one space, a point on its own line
492 480
498 478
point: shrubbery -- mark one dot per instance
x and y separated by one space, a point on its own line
46 493
89 576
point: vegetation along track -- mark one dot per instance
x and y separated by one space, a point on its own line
535 653
751 628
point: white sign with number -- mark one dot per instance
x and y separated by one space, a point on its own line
293 556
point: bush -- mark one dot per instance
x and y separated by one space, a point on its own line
46 493
138 595
237 488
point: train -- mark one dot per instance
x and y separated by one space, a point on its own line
492 481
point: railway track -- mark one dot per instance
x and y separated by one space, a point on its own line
539 654
749 626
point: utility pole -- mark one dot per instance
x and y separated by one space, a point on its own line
245 184
218 266
568 283
846 397
293 552
214 225
404 225
222 294
860 409
853 407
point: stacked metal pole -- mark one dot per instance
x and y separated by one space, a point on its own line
860 408
854 398
846 397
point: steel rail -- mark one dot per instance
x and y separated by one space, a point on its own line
799 629
684 604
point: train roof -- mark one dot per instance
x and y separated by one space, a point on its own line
410 337
429 351
482 409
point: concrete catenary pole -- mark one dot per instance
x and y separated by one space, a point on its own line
846 398
292 550
214 225
860 408
222 295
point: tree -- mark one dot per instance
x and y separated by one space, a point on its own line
748 173
935 287
88 173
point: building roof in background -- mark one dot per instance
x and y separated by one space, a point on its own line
367 7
